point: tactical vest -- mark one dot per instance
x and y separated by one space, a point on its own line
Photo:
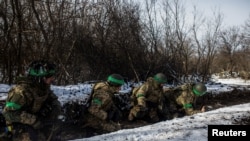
102 89
153 95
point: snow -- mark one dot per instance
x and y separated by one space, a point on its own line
188 128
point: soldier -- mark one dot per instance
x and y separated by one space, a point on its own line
148 101
183 99
30 102
102 112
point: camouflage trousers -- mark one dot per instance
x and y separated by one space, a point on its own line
104 125
26 133
150 115
25 136
22 132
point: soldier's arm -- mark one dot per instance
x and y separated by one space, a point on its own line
98 101
189 108
54 104
191 111
14 110
187 105
140 95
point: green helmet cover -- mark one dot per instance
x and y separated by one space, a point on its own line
42 68
199 89
116 79
160 78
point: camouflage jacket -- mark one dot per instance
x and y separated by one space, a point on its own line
26 100
149 95
182 98
101 100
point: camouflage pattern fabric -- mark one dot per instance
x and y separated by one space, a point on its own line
100 107
27 133
182 100
24 104
103 125
148 101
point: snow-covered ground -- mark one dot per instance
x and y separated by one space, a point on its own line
188 128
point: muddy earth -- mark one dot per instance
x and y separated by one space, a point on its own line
211 101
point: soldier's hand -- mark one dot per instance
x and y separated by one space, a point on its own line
203 109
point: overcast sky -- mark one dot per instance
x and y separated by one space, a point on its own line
235 12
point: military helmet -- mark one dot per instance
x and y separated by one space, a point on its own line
160 78
199 89
42 68
115 80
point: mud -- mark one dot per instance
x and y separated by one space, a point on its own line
211 101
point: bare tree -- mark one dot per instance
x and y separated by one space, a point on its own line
210 43
176 33
231 44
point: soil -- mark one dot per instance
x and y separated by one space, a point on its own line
211 102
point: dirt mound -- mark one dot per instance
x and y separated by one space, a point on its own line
211 101
214 101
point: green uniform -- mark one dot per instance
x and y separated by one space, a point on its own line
182 100
102 110
148 102
26 105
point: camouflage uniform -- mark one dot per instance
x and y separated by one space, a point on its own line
148 102
102 112
27 105
182 100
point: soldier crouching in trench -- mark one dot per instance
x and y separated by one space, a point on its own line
31 102
102 114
